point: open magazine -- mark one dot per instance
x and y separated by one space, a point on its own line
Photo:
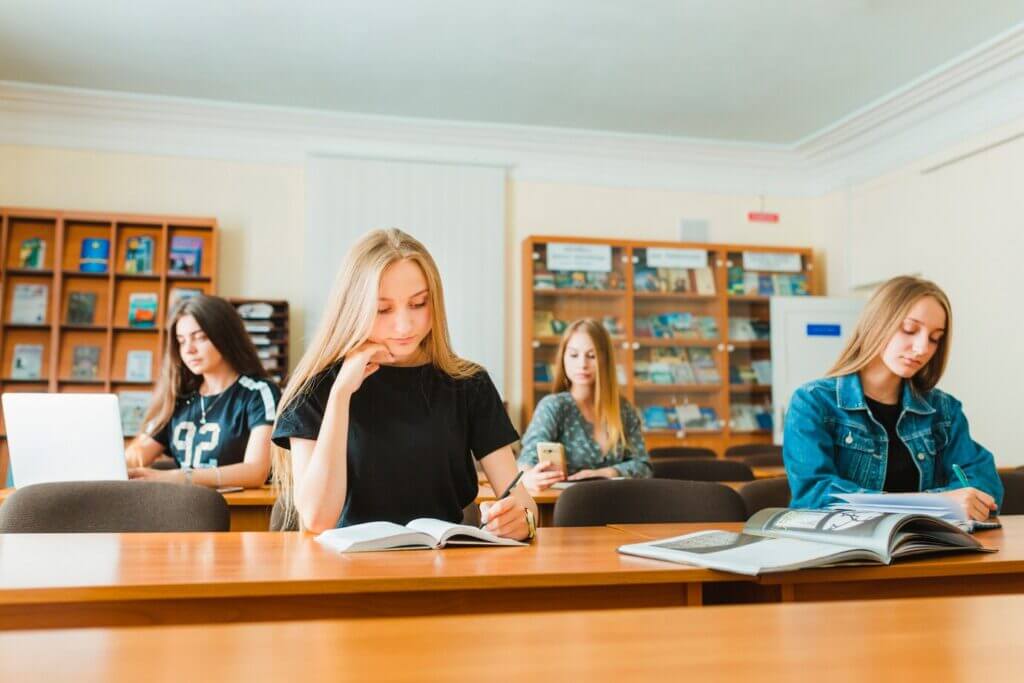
780 539
932 504
416 535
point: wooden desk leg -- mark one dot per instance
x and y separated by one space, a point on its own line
547 514
694 595
250 518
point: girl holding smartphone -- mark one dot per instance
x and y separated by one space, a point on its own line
600 430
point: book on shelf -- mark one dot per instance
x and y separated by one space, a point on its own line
186 257
765 285
268 351
613 325
751 284
542 372
741 329
85 362
689 416
543 280
27 361
255 310
708 327
32 253
762 371
734 280
94 256
646 280
269 363
747 417
142 309
655 417
257 326
28 304
81 308
133 405
423 533
704 280
138 254
704 366
259 339
661 373
780 539
931 504
762 329
138 366
179 294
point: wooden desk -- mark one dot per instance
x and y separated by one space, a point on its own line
904 641
62 580
942 575
250 509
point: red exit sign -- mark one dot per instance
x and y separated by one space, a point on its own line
762 217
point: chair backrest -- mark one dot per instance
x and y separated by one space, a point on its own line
1013 492
702 469
113 506
766 493
753 449
639 501
680 452
762 460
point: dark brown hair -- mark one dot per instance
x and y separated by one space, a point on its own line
222 325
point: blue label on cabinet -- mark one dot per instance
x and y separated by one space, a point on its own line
823 330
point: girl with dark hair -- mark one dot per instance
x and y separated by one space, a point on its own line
214 404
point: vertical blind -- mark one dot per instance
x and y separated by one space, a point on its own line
457 211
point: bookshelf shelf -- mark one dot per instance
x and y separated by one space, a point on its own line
672 321
87 313
189 278
273 328
581 293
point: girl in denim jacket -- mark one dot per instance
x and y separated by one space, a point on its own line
877 423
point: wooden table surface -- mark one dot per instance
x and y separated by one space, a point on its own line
952 574
51 580
904 641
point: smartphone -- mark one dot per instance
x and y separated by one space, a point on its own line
230 489
550 451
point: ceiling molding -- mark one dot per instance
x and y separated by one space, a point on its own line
982 89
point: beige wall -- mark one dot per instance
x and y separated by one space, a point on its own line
259 206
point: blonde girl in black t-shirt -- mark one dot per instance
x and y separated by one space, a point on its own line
214 404
383 420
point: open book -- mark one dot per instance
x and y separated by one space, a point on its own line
931 504
417 534
780 539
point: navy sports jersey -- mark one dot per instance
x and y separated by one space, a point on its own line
413 433
221 438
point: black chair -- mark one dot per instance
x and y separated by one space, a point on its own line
766 493
680 452
749 449
165 463
702 469
762 460
113 506
1013 492
639 501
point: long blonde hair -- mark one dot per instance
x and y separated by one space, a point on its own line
881 319
607 411
348 319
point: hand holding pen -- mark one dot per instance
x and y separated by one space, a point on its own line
506 516
975 503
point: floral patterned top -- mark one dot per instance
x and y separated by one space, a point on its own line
558 418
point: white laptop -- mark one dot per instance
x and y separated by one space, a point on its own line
64 437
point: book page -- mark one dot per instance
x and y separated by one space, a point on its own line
374 536
447 533
850 528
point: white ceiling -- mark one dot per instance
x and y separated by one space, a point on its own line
768 71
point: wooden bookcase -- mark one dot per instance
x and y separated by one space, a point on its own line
272 344
110 331
627 309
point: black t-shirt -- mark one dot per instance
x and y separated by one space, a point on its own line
412 435
901 474
219 439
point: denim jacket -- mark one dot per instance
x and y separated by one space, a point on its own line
832 444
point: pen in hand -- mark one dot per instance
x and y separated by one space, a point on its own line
959 472
505 494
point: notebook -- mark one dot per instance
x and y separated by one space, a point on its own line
931 504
